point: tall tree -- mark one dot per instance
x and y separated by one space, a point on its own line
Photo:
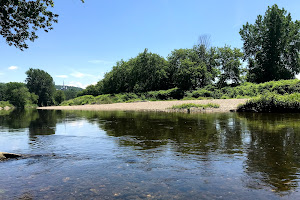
149 72
59 97
191 75
230 65
272 46
41 83
192 68
145 72
20 19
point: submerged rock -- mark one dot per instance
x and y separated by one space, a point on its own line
4 155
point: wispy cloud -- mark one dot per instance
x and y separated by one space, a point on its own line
13 67
1 74
80 75
100 62
62 76
77 84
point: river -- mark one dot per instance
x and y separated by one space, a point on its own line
149 155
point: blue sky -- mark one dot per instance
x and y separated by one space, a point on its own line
91 37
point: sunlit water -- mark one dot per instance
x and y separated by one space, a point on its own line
132 155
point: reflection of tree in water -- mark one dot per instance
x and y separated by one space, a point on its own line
39 122
273 152
17 119
193 134
45 124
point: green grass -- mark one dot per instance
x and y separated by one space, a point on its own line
272 102
193 105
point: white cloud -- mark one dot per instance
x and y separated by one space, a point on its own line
100 62
77 84
298 76
13 67
80 75
62 76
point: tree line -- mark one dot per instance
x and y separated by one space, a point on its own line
186 69
270 48
38 89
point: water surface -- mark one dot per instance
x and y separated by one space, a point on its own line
139 155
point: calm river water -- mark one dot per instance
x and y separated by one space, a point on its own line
135 155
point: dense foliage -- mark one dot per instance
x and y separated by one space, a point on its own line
186 69
245 90
59 96
17 94
272 102
4 104
41 83
145 72
272 46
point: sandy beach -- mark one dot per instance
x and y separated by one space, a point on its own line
226 105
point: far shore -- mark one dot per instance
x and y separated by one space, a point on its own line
226 105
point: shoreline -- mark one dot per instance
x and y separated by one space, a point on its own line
226 105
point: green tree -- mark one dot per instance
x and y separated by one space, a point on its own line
192 68
71 93
19 95
20 19
41 83
272 46
230 65
208 56
59 96
190 75
117 80
175 59
2 91
146 72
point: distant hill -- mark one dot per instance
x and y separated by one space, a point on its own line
58 87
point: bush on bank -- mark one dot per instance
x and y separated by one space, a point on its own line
272 102
246 90
193 105
4 104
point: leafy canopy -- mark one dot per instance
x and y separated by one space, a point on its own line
20 19
272 46
18 94
41 83
229 61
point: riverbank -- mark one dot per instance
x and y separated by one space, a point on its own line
226 105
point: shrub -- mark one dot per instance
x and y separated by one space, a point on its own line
5 103
82 100
202 93
192 105
173 93
272 102
103 99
